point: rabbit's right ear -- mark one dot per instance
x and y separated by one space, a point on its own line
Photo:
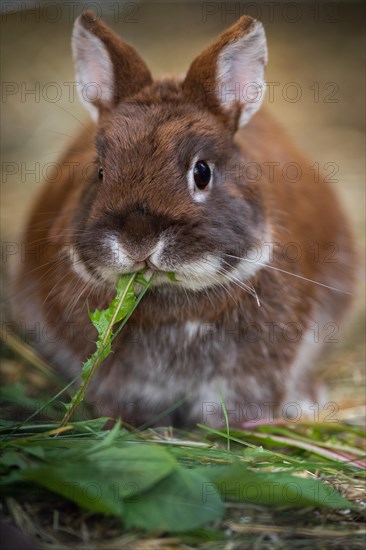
107 68
228 77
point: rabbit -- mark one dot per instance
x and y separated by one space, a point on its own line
171 175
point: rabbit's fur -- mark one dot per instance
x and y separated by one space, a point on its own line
241 317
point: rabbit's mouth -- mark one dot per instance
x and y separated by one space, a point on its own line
102 257
197 275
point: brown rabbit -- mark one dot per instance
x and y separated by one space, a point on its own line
172 175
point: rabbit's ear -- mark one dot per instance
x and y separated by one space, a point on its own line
228 77
107 69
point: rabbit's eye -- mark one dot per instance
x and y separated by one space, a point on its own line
201 174
100 173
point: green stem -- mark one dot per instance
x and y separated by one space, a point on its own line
79 396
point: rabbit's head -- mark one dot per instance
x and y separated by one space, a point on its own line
166 191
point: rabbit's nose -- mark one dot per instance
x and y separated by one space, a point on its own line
142 255
139 226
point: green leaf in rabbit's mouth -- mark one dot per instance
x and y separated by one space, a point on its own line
127 298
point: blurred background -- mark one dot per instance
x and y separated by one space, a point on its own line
316 89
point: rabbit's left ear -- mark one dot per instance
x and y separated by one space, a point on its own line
228 77
107 68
